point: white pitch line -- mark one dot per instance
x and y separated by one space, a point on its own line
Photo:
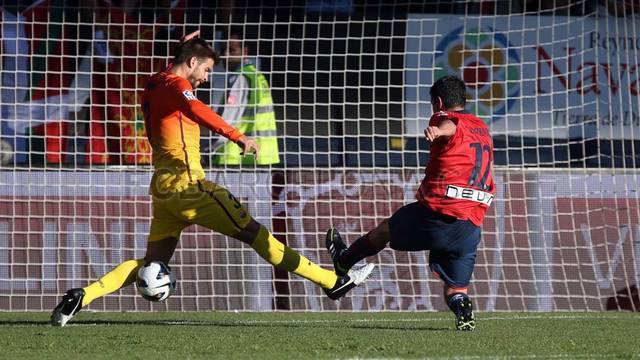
408 320
226 321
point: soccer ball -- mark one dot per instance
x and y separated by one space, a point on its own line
155 281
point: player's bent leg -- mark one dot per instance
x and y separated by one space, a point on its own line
69 306
455 287
125 274
285 258
121 276
75 299
161 250
220 211
336 247
454 266
368 245
345 283
462 306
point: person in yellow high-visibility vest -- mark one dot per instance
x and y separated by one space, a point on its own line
248 106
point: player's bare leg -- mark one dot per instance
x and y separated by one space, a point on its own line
368 245
461 305
122 275
285 258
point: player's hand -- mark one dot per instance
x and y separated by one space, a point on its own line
248 145
432 133
189 36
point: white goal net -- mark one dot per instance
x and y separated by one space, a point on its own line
558 83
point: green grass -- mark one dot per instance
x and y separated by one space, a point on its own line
319 335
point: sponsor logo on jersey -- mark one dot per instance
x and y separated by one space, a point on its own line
459 192
189 95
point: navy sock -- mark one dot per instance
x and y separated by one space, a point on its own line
455 299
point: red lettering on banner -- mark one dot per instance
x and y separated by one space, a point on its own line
590 81
589 73
543 57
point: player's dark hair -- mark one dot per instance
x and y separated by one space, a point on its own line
197 47
451 89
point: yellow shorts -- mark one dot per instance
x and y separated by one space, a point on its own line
204 203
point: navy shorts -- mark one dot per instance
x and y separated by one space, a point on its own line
452 243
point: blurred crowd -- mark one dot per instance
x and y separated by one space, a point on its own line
72 76
72 70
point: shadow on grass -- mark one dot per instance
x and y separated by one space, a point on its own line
247 324
23 322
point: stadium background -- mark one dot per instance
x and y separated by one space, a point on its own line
349 81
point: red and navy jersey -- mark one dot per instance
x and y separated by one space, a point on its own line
458 178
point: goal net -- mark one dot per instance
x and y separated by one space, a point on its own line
557 82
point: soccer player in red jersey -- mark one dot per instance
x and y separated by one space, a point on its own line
181 195
452 201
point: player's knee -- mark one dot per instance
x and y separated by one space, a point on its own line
384 229
249 233
381 235
161 250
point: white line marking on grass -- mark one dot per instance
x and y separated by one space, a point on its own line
408 320
239 321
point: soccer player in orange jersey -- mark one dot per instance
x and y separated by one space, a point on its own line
182 196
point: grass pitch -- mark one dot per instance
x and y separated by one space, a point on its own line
319 335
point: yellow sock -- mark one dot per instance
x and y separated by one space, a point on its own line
123 275
285 258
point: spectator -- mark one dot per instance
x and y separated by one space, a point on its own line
42 95
133 29
247 105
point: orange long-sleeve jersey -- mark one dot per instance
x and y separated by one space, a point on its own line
172 114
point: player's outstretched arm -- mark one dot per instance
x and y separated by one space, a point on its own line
446 129
200 113
248 146
203 115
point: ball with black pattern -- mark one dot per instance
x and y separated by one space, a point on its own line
155 281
